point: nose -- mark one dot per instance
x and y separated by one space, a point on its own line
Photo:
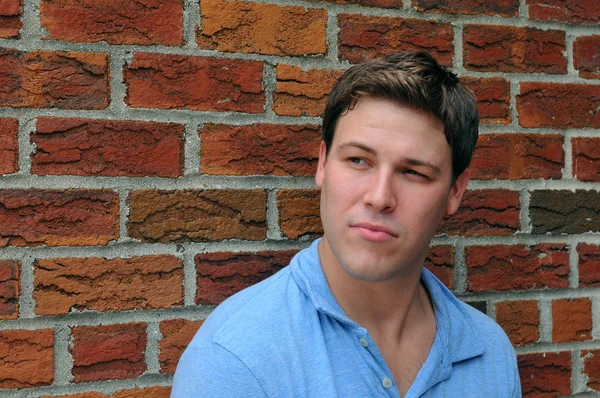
380 194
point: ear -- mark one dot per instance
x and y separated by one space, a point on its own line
321 166
457 191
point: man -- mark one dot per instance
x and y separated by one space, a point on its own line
356 314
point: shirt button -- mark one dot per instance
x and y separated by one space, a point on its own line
364 342
387 382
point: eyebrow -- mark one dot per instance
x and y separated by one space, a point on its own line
408 161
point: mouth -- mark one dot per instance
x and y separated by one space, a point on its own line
374 232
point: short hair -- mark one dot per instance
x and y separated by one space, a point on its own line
414 79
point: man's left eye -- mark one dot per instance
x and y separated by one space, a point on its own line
357 160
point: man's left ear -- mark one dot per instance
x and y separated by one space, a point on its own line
457 191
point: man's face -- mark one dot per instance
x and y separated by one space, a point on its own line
385 186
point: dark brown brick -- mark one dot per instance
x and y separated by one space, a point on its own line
366 37
107 148
108 352
591 368
589 265
484 212
559 212
220 275
10 18
27 358
545 375
493 98
518 156
10 271
9 145
168 81
520 320
586 56
264 149
197 216
571 320
556 105
246 27
440 261
586 158
74 217
63 285
505 8
516 267
299 212
572 11
489 48
176 335
54 79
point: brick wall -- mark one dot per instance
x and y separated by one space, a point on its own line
157 157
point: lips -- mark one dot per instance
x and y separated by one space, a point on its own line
375 231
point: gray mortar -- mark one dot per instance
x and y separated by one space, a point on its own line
189 277
123 215
524 218
63 360
460 268
567 171
273 231
269 85
457 59
192 149
595 316
191 20
545 306
26 302
578 378
332 31
573 266
152 348
26 148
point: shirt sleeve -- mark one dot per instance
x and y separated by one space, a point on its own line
211 371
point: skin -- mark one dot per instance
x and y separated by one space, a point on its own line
386 184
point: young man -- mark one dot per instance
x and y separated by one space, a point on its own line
356 314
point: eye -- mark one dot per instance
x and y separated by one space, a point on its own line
415 173
357 161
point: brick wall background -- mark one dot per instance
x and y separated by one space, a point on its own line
157 156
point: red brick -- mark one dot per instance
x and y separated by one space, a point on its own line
10 18
299 212
74 217
518 156
365 37
177 334
123 22
591 368
589 265
586 158
300 93
265 149
493 98
245 27
586 56
220 275
27 358
440 261
368 3
573 11
9 288
556 105
168 81
108 352
520 320
147 392
9 145
505 8
484 212
197 215
75 284
54 79
107 148
545 375
499 267
571 320
489 48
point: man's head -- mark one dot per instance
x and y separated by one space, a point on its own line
415 80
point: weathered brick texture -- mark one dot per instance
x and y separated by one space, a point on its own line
147 392
589 265
10 18
246 27
9 145
545 375
493 98
176 335
518 156
209 215
108 352
571 320
47 79
484 212
572 11
364 37
75 217
299 212
591 368
586 56
556 105
440 261
10 271
27 358
168 81
219 275
558 212
586 158
500 267
372 3
75 284
505 8
123 22
107 148
264 149
490 48
300 93
520 320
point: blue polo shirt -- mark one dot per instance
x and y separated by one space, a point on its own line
288 337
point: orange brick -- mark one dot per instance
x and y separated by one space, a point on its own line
10 18
27 358
9 145
571 320
299 212
9 288
520 320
